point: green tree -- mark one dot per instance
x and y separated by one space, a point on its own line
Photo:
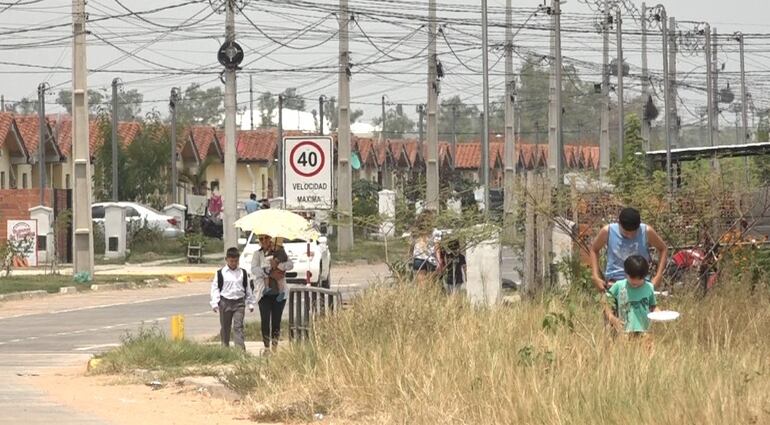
146 177
631 171
199 106
332 114
293 100
396 123
102 176
129 104
466 119
24 107
267 104
96 101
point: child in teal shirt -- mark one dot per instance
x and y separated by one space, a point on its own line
630 299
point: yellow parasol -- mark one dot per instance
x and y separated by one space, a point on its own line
278 224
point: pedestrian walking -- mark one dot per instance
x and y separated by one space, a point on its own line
231 292
629 300
251 205
269 266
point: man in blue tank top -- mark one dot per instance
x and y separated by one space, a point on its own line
629 236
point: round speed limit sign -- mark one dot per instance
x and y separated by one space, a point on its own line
307 159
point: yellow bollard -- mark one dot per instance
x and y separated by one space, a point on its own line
177 327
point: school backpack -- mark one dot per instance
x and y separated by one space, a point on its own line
221 280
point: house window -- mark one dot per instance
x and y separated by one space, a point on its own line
2 179
66 181
24 180
264 191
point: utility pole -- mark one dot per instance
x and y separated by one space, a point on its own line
509 201
555 139
431 172
251 100
41 139
279 144
645 81
672 51
321 99
172 101
715 83
344 188
621 109
230 178
744 93
604 135
709 85
454 135
666 95
485 117
82 227
382 128
421 113
115 123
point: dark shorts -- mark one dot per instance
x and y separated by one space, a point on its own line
420 265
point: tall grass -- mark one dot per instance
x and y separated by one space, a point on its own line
409 356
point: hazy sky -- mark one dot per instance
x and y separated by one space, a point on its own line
153 57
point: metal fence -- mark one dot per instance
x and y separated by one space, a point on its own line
305 304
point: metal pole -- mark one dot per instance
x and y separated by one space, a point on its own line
41 139
621 109
172 105
709 85
344 188
82 240
251 100
421 112
556 141
604 135
744 94
672 52
321 114
279 148
115 123
230 178
454 135
645 81
715 83
432 171
509 200
666 97
382 129
485 118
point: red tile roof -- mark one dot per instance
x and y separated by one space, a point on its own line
28 126
468 155
205 140
256 145
6 122
366 149
127 133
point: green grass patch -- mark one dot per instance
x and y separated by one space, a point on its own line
150 349
371 251
252 331
52 283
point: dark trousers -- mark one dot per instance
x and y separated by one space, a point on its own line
231 314
270 312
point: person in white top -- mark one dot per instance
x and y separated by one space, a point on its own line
268 267
231 291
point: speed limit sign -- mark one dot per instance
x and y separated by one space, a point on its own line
308 173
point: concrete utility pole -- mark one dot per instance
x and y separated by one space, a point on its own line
555 139
321 100
485 117
432 172
621 109
604 135
382 128
509 201
666 95
251 100
279 148
454 135
645 81
172 101
231 159
344 186
82 227
744 93
41 139
709 84
672 51
115 123
420 129
715 83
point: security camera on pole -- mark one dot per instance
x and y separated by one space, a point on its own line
230 55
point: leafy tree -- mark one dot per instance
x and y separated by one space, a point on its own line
332 114
365 198
267 104
102 176
23 107
631 171
292 100
129 105
199 106
396 123
96 101
147 166
466 119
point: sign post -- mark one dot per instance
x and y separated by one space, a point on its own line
308 173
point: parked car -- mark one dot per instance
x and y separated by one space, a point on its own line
143 214
318 263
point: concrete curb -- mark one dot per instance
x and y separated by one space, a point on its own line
68 290
15 296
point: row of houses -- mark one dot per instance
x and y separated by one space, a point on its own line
201 151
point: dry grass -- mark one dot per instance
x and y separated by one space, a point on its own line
405 356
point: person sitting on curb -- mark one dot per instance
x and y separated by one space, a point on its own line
231 291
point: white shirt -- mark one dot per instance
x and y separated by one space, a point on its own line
232 289
258 265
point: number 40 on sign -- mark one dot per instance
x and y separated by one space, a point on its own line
308 173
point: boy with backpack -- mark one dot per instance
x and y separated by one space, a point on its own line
231 291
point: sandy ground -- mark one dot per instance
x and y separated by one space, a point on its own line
112 399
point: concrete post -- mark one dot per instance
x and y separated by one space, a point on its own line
483 280
562 248
179 212
455 205
530 239
45 222
114 231
387 210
